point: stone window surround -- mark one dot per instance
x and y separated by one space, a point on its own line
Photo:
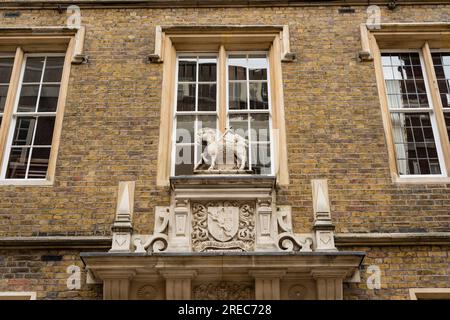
17 295
212 38
429 293
23 40
423 37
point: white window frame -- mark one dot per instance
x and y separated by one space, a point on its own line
194 113
217 113
249 111
431 111
15 114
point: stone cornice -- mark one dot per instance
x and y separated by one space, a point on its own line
56 242
392 239
51 4
341 239
346 262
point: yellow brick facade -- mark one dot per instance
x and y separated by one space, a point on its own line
334 131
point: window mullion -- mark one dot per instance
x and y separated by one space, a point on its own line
13 92
40 85
437 106
222 83
250 146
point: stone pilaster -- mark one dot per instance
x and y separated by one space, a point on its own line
178 283
328 284
265 225
116 285
267 284
179 229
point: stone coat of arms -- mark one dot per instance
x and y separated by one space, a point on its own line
223 225
223 222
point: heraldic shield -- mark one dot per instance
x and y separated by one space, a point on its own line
223 222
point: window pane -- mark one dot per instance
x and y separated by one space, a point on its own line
185 129
237 95
239 125
257 67
386 60
23 132
39 163
442 69
207 70
237 67
207 97
207 122
184 160
53 69
261 158
415 144
33 69
17 164
187 69
259 95
3 93
404 81
48 101
186 97
260 127
28 98
44 131
6 65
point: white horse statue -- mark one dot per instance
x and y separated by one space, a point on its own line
232 142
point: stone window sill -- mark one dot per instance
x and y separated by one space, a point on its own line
20 182
421 180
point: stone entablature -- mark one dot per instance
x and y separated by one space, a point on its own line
275 275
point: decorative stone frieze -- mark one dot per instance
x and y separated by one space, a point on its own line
224 290
147 292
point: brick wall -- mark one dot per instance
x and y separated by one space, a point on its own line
402 268
334 130
44 272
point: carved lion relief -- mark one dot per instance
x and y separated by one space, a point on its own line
223 291
223 225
